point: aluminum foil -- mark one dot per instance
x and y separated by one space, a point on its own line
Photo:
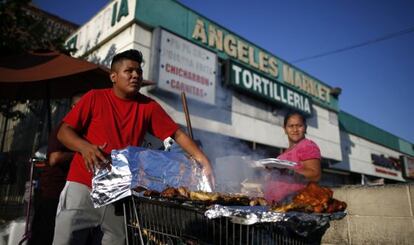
299 223
134 167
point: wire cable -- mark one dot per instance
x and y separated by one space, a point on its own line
383 38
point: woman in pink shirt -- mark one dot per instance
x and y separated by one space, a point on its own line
302 151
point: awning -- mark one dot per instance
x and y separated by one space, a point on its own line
48 75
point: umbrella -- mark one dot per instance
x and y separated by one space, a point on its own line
49 75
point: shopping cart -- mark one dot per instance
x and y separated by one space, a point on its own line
155 221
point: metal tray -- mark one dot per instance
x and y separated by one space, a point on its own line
274 163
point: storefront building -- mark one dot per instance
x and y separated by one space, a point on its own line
377 155
238 93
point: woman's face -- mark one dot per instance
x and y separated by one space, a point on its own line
295 129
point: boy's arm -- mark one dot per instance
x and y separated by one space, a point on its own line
191 148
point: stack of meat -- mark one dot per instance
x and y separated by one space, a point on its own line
313 199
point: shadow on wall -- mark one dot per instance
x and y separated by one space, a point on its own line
346 150
313 120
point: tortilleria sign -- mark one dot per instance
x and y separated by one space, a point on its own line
248 81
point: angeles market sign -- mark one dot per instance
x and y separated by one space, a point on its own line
270 90
255 58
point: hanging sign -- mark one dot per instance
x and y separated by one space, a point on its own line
186 67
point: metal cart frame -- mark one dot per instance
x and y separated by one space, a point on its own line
151 221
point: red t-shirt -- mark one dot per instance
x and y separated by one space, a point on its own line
102 118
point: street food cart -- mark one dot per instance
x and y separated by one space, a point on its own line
153 217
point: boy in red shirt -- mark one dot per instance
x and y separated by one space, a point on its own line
104 120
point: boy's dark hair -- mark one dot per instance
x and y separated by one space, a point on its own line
131 54
292 113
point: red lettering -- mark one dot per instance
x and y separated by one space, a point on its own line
383 171
187 74
180 86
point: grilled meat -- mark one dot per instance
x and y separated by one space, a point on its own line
314 195
204 196
336 205
313 198
183 194
258 201
139 189
151 193
234 199
292 207
180 193
170 192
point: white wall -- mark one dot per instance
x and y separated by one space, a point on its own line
100 28
326 133
357 156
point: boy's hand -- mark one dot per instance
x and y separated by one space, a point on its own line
94 155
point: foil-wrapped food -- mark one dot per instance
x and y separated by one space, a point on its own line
171 175
142 168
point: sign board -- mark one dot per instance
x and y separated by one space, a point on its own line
408 167
186 67
255 58
113 17
249 81
386 165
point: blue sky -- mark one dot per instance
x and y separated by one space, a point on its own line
377 80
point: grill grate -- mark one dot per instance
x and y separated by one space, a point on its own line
165 222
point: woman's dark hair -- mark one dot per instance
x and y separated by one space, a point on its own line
131 54
293 113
